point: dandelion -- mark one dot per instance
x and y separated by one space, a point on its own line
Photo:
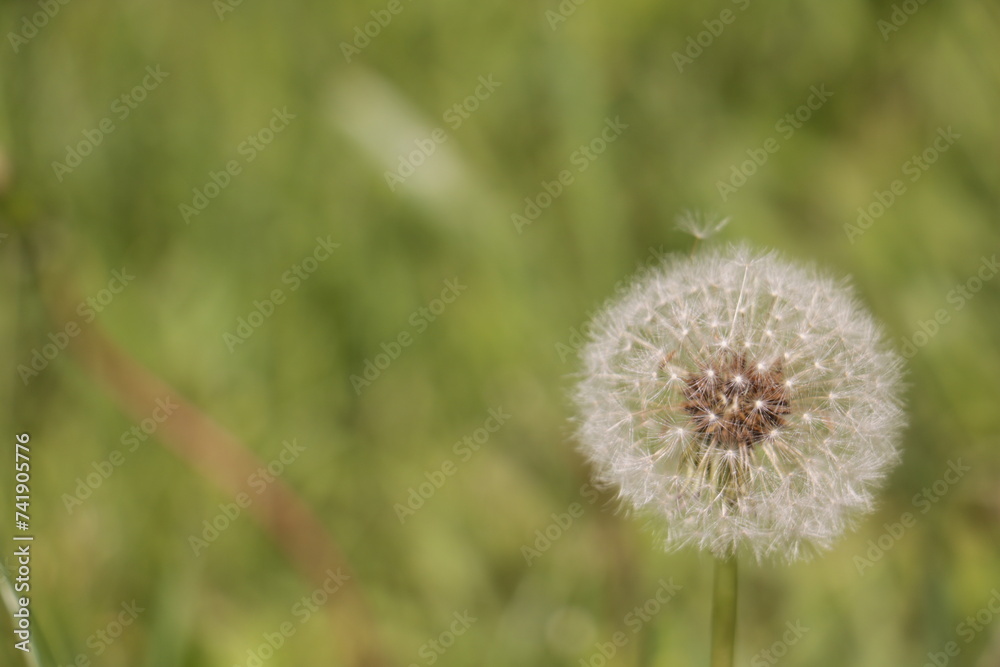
744 403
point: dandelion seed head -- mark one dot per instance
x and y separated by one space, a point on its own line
743 402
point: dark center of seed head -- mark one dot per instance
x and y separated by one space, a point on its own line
734 402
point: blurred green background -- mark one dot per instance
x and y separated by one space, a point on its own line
899 74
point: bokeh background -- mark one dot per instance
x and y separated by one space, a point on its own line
558 75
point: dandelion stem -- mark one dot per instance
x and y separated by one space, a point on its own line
724 612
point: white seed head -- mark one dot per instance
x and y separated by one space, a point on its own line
744 402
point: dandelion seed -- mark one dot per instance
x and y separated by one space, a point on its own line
700 226
757 411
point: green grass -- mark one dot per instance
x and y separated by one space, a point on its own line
502 342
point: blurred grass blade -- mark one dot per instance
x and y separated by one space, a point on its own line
225 461
40 655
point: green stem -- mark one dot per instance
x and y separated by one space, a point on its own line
724 612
